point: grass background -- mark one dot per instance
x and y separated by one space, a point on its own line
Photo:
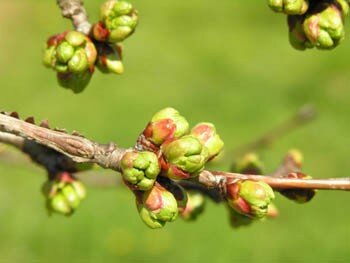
228 62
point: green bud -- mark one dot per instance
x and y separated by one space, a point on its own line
73 56
250 198
110 61
63 194
49 56
325 28
122 8
107 9
184 155
248 164
114 66
140 169
194 207
165 125
119 19
61 68
60 205
79 189
75 38
119 34
289 7
157 206
125 21
78 63
205 132
64 52
71 196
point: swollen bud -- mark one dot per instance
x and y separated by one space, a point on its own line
324 26
289 7
118 21
184 157
63 194
205 132
110 59
72 55
165 125
194 207
156 206
248 164
250 198
140 169
300 196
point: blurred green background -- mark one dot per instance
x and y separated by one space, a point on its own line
228 62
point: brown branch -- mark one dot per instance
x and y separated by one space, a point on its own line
75 11
80 149
218 179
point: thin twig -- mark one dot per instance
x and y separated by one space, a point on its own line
75 11
218 178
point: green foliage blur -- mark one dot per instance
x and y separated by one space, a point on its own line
227 62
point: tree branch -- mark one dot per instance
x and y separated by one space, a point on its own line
75 11
218 179
81 150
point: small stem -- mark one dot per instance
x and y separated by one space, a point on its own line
75 11
217 179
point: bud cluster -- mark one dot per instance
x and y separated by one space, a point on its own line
118 21
168 149
311 24
183 152
63 194
74 55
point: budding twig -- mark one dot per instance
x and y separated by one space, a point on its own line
83 150
75 11
218 178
